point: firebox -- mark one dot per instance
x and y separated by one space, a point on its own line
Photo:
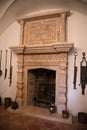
41 87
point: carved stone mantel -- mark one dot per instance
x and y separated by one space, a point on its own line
63 47
43 45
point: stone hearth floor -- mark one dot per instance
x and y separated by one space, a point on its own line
14 120
41 113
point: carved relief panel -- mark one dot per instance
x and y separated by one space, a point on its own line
42 31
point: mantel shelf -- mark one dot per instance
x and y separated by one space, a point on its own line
63 47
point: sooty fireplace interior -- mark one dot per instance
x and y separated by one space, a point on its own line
41 87
43 60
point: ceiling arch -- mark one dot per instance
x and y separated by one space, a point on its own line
10 10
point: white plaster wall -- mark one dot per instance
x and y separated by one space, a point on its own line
8 38
77 33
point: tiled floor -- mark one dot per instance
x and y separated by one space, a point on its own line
15 121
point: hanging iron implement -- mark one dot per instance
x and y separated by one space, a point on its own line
83 73
11 67
0 62
75 70
5 65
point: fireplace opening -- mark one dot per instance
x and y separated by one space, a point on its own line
41 87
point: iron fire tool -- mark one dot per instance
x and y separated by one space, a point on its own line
10 73
5 65
0 62
14 104
83 73
75 70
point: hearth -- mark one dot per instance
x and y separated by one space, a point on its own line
43 60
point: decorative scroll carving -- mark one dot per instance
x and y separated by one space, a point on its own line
46 58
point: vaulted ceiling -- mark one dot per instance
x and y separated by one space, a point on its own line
10 10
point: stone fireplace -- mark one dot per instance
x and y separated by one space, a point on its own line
43 60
